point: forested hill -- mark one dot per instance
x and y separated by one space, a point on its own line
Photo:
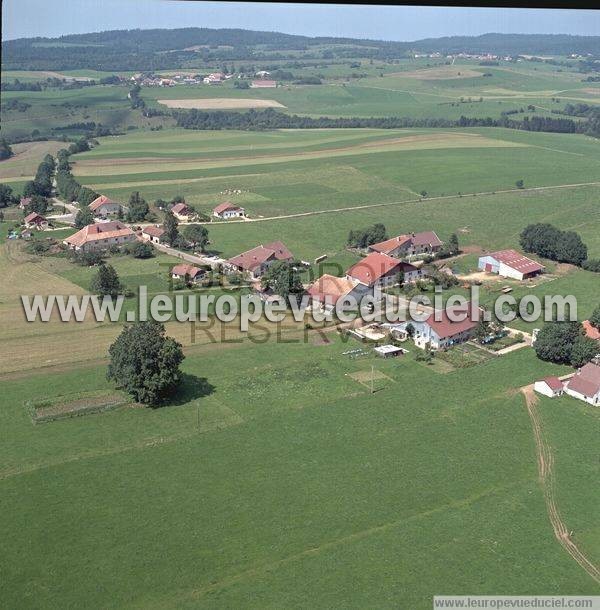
163 49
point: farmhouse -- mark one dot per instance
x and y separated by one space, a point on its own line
442 328
264 84
182 212
24 203
227 210
510 263
100 236
216 78
585 384
35 221
153 234
256 261
549 386
412 244
103 206
325 292
380 270
187 273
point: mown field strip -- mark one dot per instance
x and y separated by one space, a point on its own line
110 167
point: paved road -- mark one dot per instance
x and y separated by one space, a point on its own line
190 258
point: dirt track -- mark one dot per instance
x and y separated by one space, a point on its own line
545 468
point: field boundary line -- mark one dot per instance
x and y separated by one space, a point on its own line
545 461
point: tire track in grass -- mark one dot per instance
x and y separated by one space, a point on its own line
545 460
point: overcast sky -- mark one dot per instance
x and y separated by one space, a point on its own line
25 18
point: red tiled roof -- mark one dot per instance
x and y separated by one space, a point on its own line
372 268
329 288
517 261
252 259
445 328
34 216
591 331
153 231
226 205
99 231
180 208
426 238
281 251
99 202
188 270
554 383
25 201
586 381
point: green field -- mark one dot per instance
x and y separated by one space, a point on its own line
262 486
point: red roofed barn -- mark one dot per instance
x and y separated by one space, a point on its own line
510 263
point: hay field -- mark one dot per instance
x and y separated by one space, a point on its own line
218 103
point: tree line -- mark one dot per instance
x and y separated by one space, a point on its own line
552 243
270 118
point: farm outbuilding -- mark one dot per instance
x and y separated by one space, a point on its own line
549 386
510 263
389 351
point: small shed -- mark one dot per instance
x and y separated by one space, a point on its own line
389 351
549 386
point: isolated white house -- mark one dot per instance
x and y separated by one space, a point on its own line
228 210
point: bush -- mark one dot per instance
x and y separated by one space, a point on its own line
591 264
141 250
86 259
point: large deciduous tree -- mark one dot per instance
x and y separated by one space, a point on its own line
145 362
197 235
83 218
283 279
138 208
106 282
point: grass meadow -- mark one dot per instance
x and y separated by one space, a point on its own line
261 485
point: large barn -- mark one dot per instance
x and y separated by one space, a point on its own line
510 263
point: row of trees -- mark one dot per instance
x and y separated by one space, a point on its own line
41 185
68 188
550 242
273 119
